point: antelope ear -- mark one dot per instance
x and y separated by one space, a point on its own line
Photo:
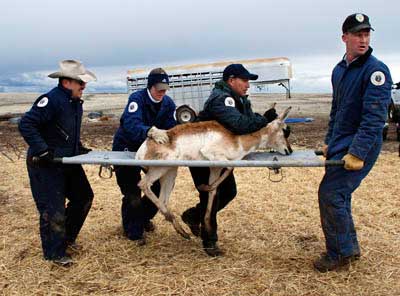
285 114
272 106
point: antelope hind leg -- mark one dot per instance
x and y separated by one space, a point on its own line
152 175
167 182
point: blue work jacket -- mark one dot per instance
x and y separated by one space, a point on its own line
361 95
53 123
139 116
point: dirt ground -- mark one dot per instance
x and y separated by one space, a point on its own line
270 232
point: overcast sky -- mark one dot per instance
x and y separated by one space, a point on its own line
35 35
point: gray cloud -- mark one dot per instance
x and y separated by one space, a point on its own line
37 34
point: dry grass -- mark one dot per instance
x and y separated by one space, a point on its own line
270 232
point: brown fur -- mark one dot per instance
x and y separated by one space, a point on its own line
166 175
200 128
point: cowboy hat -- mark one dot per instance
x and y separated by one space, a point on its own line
75 70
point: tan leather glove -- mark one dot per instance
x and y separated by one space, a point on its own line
158 135
325 150
352 163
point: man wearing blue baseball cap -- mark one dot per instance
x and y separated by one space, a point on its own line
148 113
361 95
227 104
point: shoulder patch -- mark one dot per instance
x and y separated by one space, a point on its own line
229 102
378 78
43 102
133 106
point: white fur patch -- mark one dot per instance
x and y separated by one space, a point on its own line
378 78
229 102
133 106
43 102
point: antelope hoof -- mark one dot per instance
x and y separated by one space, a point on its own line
180 230
169 217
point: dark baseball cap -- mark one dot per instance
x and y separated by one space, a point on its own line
159 78
355 23
237 71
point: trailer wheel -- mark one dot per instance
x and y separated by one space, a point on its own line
385 131
393 113
185 114
398 133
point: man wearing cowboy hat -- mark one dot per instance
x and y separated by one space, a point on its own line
148 113
52 129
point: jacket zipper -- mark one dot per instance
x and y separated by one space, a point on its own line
63 132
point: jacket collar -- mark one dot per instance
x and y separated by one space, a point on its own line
68 94
359 61
222 85
149 102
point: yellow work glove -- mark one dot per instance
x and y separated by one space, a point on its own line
352 163
325 150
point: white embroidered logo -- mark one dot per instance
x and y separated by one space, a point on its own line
133 106
359 17
378 78
43 102
229 102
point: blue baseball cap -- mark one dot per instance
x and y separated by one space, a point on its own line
237 71
355 23
159 78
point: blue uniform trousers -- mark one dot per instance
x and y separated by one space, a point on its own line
135 211
334 198
60 224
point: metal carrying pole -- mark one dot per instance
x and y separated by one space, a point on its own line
303 158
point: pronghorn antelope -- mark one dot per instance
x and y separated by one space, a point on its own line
206 140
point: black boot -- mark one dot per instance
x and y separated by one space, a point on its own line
190 218
149 226
326 263
212 249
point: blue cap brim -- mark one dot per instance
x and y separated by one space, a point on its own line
359 28
248 76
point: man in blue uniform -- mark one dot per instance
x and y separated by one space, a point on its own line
149 113
52 129
361 95
227 104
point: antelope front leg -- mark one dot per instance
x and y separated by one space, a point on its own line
207 216
214 175
213 186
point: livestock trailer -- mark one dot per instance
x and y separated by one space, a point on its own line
190 85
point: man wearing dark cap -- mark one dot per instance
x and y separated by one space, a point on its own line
149 113
52 129
361 95
227 104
